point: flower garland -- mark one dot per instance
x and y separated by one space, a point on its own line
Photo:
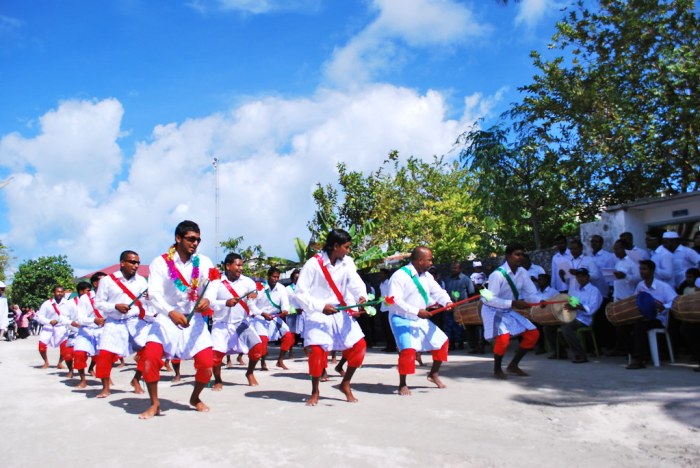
175 275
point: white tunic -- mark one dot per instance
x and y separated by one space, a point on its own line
122 334
4 314
337 331
88 333
411 331
497 314
295 321
276 328
231 331
182 343
54 335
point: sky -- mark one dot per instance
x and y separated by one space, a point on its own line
112 112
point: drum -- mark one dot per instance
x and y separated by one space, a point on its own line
469 313
687 307
553 314
623 311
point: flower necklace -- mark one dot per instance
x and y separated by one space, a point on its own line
176 276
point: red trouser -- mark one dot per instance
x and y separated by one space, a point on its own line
65 351
318 360
103 363
407 358
80 360
287 341
152 358
529 340
356 355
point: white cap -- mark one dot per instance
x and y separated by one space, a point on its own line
2 285
670 235
476 263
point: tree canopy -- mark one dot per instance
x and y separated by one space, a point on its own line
35 279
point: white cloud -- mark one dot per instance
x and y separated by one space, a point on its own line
256 7
531 12
272 152
420 23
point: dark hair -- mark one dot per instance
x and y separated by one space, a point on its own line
336 236
693 271
186 226
126 253
648 263
560 237
656 233
83 285
546 275
576 241
56 286
295 271
272 270
96 277
510 248
598 236
231 257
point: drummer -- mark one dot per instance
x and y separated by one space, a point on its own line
663 296
589 299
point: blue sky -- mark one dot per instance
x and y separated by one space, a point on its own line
111 112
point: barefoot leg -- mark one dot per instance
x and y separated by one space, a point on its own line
218 383
154 409
105 388
252 381
403 387
194 399
433 375
315 394
136 383
345 385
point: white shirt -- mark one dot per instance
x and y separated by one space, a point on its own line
503 294
278 295
590 299
625 287
163 294
583 261
408 300
557 260
86 311
661 292
4 313
663 259
109 294
218 294
313 291
637 255
603 260
384 292
47 313
683 258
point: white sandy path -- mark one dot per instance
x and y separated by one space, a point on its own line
596 415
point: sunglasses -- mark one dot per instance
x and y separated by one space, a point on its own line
133 262
193 239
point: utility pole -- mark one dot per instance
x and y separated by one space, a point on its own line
215 163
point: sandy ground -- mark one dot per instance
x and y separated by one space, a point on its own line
596 414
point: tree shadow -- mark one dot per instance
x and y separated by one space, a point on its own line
281 395
137 406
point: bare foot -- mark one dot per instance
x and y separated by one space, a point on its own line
229 365
404 391
217 387
324 376
177 378
434 378
45 366
103 394
60 366
150 412
69 375
264 367
240 360
281 365
137 386
345 388
82 384
339 370
199 405
167 367
500 375
517 371
92 373
121 364
334 360
419 360
313 400
252 381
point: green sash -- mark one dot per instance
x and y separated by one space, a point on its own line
277 306
418 285
510 282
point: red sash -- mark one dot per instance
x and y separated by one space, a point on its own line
179 275
329 278
92 303
142 312
236 296
58 312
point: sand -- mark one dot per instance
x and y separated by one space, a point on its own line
596 414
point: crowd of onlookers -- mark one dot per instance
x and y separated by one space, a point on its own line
15 321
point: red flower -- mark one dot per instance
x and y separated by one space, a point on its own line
259 286
389 300
214 274
208 312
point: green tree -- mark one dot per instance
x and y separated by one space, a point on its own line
34 281
621 98
5 259
255 262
